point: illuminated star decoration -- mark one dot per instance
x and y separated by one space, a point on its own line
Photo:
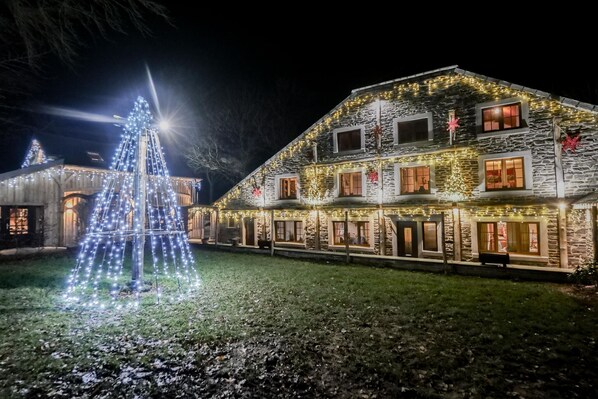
257 192
453 124
570 142
377 134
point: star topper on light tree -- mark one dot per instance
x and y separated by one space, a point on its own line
137 204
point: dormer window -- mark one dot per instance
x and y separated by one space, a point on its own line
94 156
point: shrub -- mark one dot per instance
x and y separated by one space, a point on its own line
586 273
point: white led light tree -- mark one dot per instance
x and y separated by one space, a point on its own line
137 205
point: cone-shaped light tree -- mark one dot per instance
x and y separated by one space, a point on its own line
136 214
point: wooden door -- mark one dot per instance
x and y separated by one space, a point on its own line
407 239
249 232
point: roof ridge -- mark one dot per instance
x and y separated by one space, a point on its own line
417 75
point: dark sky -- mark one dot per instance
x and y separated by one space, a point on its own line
324 55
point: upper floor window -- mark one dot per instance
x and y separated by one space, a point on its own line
349 139
415 180
358 233
413 128
501 117
515 237
289 231
288 188
505 174
351 184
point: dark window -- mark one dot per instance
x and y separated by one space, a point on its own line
430 236
289 231
95 157
415 180
505 174
349 141
232 223
350 184
512 237
288 188
412 131
358 232
502 117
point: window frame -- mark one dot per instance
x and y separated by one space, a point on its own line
523 118
423 227
504 173
501 121
335 133
294 224
528 173
281 181
520 234
357 223
396 132
340 183
415 167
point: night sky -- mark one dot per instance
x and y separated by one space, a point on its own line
323 56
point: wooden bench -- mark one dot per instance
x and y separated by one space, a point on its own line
264 244
490 257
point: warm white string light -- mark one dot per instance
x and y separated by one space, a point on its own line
117 233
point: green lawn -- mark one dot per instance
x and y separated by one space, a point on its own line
272 327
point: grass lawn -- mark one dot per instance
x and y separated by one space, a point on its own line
273 327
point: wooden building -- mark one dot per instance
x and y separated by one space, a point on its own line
49 200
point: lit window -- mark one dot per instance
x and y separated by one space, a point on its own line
505 174
430 236
413 130
95 157
512 237
19 221
289 231
288 188
348 141
415 180
350 184
358 233
502 117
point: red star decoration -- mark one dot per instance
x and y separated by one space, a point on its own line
570 143
257 192
377 131
373 176
453 124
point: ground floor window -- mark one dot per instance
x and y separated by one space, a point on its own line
512 237
358 233
430 236
289 231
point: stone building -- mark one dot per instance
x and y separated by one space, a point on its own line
443 162
49 200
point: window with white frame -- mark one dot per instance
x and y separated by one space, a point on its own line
413 129
349 139
415 180
289 231
350 184
505 174
288 188
512 237
358 233
501 117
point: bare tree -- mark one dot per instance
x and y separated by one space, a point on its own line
33 30
239 128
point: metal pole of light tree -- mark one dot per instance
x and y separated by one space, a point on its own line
139 195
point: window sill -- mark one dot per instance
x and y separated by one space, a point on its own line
350 152
506 193
501 133
413 143
352 247
289 244
287 200
406 197
519 257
